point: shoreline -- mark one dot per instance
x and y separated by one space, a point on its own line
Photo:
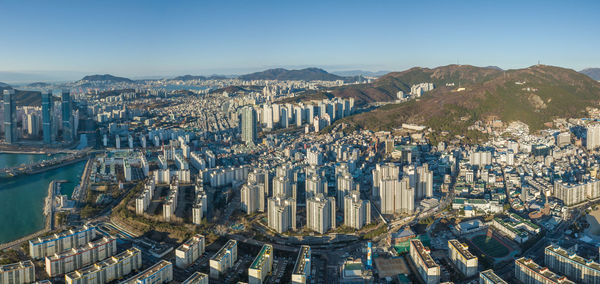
47 212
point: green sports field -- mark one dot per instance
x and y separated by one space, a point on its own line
490 246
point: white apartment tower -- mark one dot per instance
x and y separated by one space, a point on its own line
320 213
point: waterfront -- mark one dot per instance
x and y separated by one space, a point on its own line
22 198
9 160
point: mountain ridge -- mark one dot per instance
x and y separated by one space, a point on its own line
105 78
593 73
306 74
533 95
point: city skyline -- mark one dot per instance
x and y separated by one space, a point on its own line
62 41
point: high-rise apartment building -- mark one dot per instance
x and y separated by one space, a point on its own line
571 265
224 259
67 117
320 213
593 136
189 251
261 266
301 272
462 258
428 269
527 271
423 182
281 213
10 117
248 124
357 212
396 196
17 273
47 104
253 198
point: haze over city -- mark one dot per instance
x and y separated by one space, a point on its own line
158 38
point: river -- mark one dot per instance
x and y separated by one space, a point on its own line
22 197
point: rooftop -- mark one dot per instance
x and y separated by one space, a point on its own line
574 257
462 248
191 242
489 274
424 254
228 246
542 271
15 266
265 252
195 278
302 260
149 272
103 264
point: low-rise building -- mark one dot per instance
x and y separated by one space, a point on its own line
354 272
516 228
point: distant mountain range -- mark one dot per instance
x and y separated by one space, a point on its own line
4 85
38 85
307 74
360 73
593 73
105 78
200 77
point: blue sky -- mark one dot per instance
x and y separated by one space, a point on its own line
150 38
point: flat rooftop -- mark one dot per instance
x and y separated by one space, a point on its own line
103 264
462 248
191 242
61 235
424 254
574 257
543 271
195 278
489 274
265 251
150 271
87 247
228 246
302 260
15 266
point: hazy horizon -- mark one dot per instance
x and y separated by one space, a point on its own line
62 40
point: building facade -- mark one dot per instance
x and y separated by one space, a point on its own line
320 213
462 258
261 266
428 269
189 251
224 259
